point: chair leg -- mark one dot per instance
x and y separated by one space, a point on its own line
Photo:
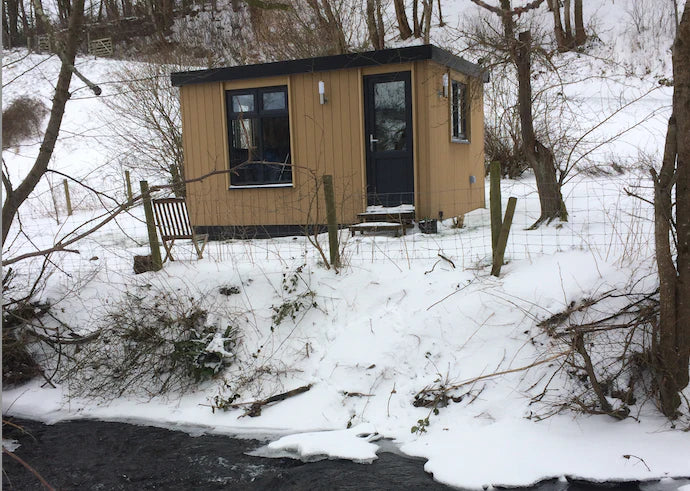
199 252
168 250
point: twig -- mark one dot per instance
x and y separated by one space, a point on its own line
505 372
627 456
448 296
29 468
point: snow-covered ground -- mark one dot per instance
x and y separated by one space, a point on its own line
396 318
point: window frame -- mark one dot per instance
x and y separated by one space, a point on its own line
459 112
257 117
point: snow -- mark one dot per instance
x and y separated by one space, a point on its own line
397 317
10 445
352 444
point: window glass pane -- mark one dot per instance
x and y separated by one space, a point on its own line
390 115
276 148
242 134
243 103
274 101
458 110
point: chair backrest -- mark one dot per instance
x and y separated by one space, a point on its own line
172 218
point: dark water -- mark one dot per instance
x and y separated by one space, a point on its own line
98 455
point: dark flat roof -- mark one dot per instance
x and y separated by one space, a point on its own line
336 62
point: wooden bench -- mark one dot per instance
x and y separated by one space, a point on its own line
172 220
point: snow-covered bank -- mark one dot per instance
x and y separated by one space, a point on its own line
403 316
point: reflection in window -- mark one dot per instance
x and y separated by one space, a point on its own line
459 111
243 103
390 115
259 137
273 101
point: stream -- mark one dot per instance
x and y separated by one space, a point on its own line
97 455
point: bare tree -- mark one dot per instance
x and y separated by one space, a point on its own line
149 130
539 157
329 21
14 197
567 37
672 339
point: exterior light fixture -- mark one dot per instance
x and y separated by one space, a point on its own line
444 89
322 92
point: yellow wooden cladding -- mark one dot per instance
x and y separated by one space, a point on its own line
329 139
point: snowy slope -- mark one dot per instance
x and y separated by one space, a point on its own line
398 318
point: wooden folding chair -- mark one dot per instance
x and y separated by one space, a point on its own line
172 220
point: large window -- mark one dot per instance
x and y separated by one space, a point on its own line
259 136
459 111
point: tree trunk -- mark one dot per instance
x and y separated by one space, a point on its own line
681 104
538 156
426 16
580 34
12 7
672 339
25 24
379 25
566 20
415 19
14 198
557 26
401 16
372 26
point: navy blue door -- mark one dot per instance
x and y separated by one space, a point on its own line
388 138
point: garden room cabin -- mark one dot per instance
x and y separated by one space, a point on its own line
397 128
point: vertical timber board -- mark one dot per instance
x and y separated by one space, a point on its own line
422 152
362 137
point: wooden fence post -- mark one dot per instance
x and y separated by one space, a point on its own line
495 203
128 183
503 237
156 261
68 201
332 220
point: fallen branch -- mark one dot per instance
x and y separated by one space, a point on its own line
255 407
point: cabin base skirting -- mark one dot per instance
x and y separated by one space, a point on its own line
224 232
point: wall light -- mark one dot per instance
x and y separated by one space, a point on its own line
444 89
322 92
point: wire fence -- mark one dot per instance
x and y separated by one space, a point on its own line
603 217
607 216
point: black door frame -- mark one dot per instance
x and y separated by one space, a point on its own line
405 158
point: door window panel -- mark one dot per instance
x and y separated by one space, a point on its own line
390 117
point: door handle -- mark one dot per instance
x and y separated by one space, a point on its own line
372 140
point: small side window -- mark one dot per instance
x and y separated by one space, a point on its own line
459 111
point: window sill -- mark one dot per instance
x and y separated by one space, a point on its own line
459 140
261 186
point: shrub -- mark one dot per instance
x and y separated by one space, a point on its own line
152 343
21 120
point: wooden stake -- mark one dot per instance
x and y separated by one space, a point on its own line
68 201
495 203
156 261
332 220
503 237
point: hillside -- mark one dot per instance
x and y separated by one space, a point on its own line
412 340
